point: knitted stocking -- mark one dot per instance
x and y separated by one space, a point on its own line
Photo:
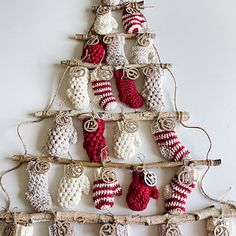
178 190
102 89
115 51
61 228
61 136
128 93
133 20
72 185
37 192
104 192
153 91
18 230
143 52
219 226
78 87
94 142
169 229
94 51
125 141
139 193
121 230
169 144
104 22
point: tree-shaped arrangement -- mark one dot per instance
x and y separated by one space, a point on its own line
103 64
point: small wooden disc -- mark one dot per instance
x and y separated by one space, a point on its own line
173 230
105 73
102 10
186 177
107 230
167 123
108 39
221 230
77 71
9 230
63 120
74 170
131 10
108 175
131 126
93 41
41 167
143 40
149 71
91 125
132 73
150 178
63 228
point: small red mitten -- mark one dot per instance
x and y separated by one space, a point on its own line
139 193
128 92
94 51
94 140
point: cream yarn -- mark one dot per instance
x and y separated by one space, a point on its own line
78 87
18 230
125 142
144 54
71 189
61 136
153 91
220 226
116 52
37 192
105 23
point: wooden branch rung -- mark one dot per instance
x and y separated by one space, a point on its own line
153 165
142 116
92 218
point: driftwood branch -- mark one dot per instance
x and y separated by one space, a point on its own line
91 218
76 62
144 116
152 165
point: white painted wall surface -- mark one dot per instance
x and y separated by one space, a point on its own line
197 37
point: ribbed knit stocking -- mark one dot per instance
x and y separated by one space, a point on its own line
128 93
219 226
102 89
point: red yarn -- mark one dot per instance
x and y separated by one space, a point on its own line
128 93
94 53
94 142
139 193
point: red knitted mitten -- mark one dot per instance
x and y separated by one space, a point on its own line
128 93
168 142
94 51
94 142
139 193
105 192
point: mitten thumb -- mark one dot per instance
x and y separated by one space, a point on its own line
154 193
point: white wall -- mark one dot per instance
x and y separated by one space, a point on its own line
198 37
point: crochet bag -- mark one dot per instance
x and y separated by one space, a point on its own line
94 140
153 91
178 190
78 87
127 139
104 23
72 185
115 50
61 136
37 192
219 226
169 229
102 89
18 230
61 228
144 52
139 193
105 188
167 140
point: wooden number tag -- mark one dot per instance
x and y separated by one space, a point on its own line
91 125
41 167
108 175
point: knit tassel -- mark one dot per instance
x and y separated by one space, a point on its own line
153 92
104 192
61 136
61 228
169 229
18 230
219 226
125 142
115 51
37 192
78 87
139 193
94 142
128 93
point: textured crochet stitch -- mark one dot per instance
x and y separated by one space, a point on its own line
125 142
71 189
139 193
78 87
61 136
128 92
104 193
37 192
94 142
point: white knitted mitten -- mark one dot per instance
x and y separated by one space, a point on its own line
61 136
115 51
169 229
61 228
143 52
78 87
18 230
219 226
125 141
153 91
37 192
72 185
104 22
